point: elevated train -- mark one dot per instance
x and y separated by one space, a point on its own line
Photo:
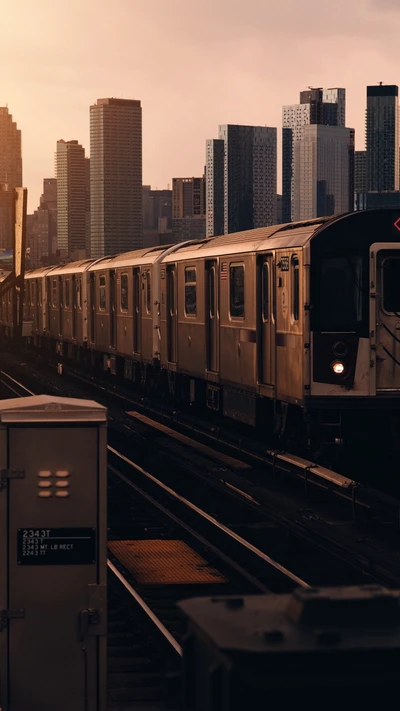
293 328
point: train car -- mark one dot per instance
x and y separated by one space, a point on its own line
294 328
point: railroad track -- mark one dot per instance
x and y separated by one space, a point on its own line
293 535
148 519
359 523
143 615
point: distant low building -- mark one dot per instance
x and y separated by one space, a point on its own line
41 230
376 199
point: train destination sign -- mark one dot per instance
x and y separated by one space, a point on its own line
56 546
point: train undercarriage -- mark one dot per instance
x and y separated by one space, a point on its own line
324 434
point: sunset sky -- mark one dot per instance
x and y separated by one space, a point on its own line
193 66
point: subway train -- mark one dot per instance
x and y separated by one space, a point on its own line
293 329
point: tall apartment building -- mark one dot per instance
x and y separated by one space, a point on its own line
188 208
323 176
10 175
249 166
382 133
215 186
71 199
10 151
115 176
317 107
87 206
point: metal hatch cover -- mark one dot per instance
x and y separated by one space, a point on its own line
164 562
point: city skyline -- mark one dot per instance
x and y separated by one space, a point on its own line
245 71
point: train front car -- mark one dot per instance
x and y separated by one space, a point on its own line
354 390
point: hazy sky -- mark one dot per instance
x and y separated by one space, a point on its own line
193 65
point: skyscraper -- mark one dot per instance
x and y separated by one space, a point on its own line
10 151
71 199
215 187
382 131
334 107
322 172
249 178
87 206
115 176
317 107
10 175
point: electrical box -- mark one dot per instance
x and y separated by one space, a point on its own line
53 554
317 646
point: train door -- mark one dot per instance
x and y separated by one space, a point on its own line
172 314
92 294
48 301
266 319
38 301
385 316
73 306
136 310
60 305
113 299
212 316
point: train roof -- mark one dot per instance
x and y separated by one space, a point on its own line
137 257
353 230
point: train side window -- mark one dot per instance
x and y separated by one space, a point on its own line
391 281
78 293
265 292
236 290
54 292
190 291
102 292
148 293
295 288
67 293
124 292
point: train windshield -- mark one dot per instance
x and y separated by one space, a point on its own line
391 285
341 299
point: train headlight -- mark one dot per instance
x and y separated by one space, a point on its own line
338 367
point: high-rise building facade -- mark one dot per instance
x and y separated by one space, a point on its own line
188 208
71 199
41 233
157 204
115 176
10 175
249 178
188 197
87 206
382 133
10 151
215 187
317 107
334 107
360 171
322 172
157 216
